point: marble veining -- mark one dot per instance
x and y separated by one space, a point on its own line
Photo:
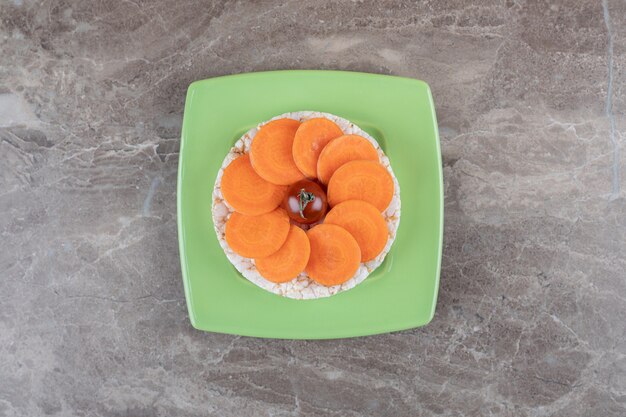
531 103
609 101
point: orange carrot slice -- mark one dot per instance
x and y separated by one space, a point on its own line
287 262
257 236
341 150
309 141
364 222
246 191
271 152
361 180
335 255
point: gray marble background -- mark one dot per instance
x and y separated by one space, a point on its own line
531 100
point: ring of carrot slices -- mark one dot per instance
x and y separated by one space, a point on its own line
283 152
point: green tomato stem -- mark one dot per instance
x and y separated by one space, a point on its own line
304 198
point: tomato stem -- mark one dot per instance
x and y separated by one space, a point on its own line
304 198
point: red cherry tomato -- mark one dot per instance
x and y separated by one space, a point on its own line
305 202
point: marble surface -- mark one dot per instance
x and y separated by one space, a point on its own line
531 101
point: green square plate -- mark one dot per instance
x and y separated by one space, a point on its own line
399 113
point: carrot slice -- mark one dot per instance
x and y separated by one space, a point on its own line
335 255
271 152
341 150
364 222
287 262
246 191
310 139
257 236
361 180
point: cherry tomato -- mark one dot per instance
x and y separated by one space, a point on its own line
305 202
